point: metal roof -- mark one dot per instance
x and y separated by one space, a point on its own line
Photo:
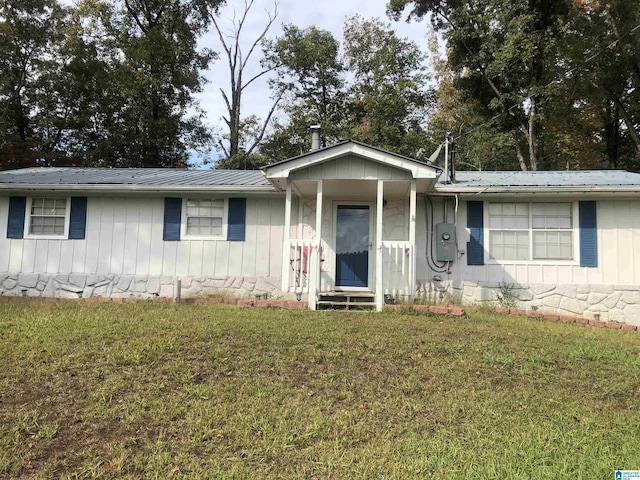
149 177
156 179
575 178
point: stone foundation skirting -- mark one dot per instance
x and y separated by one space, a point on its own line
127 286
610 303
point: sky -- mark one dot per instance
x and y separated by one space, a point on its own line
324 14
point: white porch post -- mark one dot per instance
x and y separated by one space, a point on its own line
379 212
314 271
286 248
412 240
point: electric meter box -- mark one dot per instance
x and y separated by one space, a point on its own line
445 242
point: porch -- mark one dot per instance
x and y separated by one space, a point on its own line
350 224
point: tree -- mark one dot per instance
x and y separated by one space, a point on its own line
102 83
507 53
479 145
156 67
238 63
389 100
309 71
560 76
29 32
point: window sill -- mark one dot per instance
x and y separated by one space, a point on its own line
32 236
198 237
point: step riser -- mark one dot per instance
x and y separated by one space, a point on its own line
346 300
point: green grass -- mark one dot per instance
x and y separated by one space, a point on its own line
196 391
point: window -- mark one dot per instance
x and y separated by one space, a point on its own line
205 217
509 231
525 231
48 216
552 230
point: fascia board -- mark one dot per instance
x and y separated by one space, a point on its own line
538 190
283 170
141 188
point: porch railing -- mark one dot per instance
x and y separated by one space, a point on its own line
398 268
300 258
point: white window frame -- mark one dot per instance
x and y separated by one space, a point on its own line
575 236
183 223
27 221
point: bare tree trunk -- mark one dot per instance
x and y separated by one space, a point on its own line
521 161
532 137
237 63
628 122
612 132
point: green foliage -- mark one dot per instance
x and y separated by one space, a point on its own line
389 99
376 93
204 391
101 83
506 295
557 77
30 32
310 72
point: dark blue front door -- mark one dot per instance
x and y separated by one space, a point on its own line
352 246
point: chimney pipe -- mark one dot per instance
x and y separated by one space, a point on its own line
452 175
315 137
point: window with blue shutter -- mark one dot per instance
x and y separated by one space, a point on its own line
588 234
17 210
78 218
236 225
475 223
172 219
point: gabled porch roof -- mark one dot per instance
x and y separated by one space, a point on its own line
391 166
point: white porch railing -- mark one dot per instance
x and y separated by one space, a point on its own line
300 258
398 268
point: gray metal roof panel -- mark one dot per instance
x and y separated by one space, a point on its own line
133 176
576 178
160 177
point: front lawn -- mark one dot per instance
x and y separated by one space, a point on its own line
205 391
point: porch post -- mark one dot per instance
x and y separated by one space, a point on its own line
379 282
286 248
412 240
314 271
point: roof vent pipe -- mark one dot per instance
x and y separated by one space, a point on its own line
452 174
316 130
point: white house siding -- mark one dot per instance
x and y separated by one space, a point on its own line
612 290
124 254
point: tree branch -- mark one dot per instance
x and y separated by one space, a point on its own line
266 123
255 77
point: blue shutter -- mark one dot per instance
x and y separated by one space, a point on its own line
172 219
17 210
237 219
588 234
78 218
475 223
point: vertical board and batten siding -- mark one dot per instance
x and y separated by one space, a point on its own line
351 168
125 236
618 243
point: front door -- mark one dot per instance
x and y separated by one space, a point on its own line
352 246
